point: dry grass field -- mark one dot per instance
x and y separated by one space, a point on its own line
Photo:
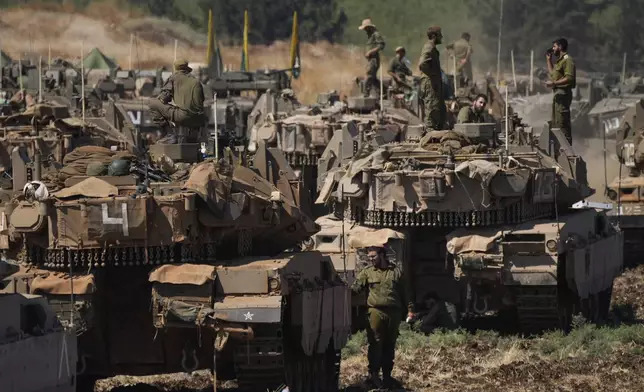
31 31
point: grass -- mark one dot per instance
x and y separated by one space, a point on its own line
451 360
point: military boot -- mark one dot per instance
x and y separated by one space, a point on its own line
373 381
390 382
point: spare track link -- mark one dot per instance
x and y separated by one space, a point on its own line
633 246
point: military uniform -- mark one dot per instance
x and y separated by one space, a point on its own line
373 63
461 50
431 87
400 69
188 96
565 67
387 301
467 115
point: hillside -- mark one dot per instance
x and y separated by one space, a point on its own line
325 66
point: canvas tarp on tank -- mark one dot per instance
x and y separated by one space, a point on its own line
97 60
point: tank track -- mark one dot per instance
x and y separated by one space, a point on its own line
538 308
543 308
633 246
259 363
262 364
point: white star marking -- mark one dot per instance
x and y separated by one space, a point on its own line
249 316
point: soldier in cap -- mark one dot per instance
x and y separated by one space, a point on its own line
187 94
431 83
398 70
375 44
462 51
387 301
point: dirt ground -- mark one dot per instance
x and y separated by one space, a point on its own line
610 358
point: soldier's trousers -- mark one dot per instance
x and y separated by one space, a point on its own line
382 333
434 109
372 83
561 112
175 114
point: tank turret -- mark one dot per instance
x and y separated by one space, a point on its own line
509 205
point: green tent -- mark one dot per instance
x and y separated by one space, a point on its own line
6 60
97 60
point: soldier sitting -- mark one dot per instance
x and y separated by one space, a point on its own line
187 94
474 113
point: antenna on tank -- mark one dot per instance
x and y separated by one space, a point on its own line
498 49
82 80
507 124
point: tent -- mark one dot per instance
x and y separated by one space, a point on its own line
97 60
6 60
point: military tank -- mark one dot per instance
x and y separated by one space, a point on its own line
202 241
624 190
37 353
478 224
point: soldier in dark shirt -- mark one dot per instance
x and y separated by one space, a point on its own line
398 70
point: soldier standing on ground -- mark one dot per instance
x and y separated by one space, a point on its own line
474 113
398 70
462 51
562 81
375 44
187 94
387 300
431 83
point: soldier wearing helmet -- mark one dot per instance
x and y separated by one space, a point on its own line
187 94
375 44
387 301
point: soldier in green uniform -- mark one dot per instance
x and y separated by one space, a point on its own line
562 81
187 94
386 300
375 44
462 51
474 113
398 70
431 83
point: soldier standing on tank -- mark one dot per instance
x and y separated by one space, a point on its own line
562 81
462 51
474 113
386 300
431 83
375 44
398 70
187 94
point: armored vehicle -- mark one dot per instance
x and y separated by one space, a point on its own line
202 241
37 349
626 191
481 226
